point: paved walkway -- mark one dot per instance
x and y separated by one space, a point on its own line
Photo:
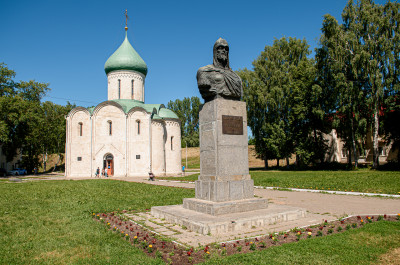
318 203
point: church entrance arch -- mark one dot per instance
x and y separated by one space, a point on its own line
108 164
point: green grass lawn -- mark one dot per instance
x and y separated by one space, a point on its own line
50 222
360 246
363 180
192 162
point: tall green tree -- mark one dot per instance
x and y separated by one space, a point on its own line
7 83
282 101
26 123
188 113
362 56
338 73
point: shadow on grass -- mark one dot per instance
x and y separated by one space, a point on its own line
332 166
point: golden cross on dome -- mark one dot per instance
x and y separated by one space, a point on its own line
126 19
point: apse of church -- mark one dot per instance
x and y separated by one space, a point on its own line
123 135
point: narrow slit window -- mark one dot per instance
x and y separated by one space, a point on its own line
172 143
119 88
109 127
138 127
132 85
80 128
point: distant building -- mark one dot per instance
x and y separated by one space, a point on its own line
337 152
123 135
15 163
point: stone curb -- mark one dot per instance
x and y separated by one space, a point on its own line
332 192
306 190
302 227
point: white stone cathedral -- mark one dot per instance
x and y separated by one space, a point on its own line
123 135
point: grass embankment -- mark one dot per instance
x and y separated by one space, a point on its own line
50 222
363 180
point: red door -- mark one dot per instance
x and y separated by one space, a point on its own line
110 168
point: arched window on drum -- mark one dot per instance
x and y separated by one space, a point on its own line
80 129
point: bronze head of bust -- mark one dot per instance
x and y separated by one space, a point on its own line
217 80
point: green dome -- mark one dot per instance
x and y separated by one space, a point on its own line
125 58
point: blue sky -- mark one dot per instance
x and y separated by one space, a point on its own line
66 43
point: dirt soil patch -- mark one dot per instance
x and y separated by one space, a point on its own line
176 253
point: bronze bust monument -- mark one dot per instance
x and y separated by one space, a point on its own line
218 80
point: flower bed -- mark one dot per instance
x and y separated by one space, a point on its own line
175 253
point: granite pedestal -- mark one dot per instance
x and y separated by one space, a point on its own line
224 198
224 185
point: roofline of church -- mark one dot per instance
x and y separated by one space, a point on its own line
157 107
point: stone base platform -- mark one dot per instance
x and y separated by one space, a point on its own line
235 222
227 207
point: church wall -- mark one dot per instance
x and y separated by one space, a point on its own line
158 135
173 152
138 143
104 143
78 147
125 84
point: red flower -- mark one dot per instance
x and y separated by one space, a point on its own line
131 229
342 221
237 241
285 235
189 253
384 216
247 243
321 227
234 245
358 217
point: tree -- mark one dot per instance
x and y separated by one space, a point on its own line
282 100
26 123
7 84
367 49
188 113
338 72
